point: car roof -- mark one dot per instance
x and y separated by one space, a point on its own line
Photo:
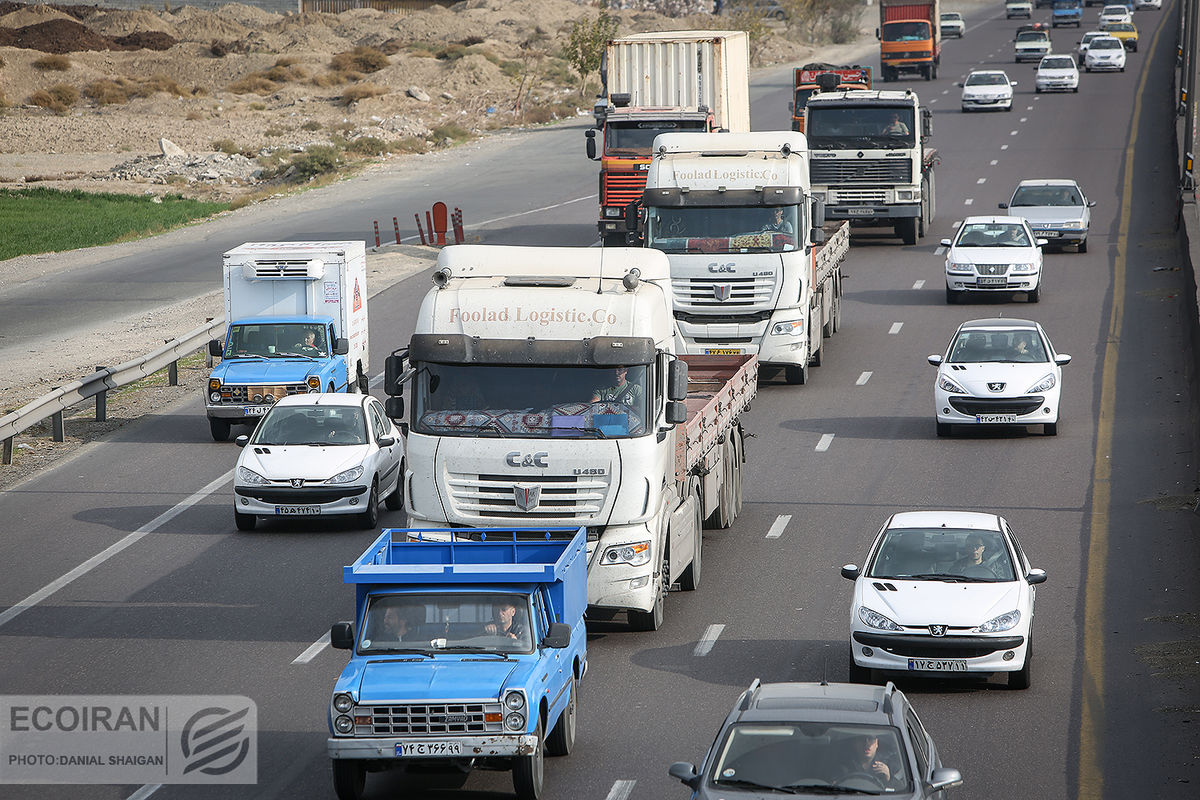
992 219
977 520
323 399
987 72
993 323
1048 182
817 702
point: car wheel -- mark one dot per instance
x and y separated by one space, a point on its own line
219 428
951 296
943 429
796 374
369 519
859 674
562 738
244 522
529 771
1037 90
1134 48
349 779
395 500
1050 429
1082 247
1022 678
1035 294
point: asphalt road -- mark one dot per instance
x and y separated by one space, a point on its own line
176 601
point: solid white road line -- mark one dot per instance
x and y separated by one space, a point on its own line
98 559
921 284
145 791
896 326
862 379
778 525
823 445
705 645
620 790
313 649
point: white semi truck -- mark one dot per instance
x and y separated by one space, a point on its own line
752 267
546 391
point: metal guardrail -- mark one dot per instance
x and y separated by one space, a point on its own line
401 7
98 384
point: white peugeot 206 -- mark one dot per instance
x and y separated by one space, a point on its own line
998 372
943 594
316 455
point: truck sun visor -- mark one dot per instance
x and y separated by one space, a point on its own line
762 196
455 348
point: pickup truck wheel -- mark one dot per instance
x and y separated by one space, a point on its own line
244 522
369 519
796 374
562 739
528 771
219 428
349 779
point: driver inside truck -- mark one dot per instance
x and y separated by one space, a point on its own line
509 622
308 345
777 222
895 127
621 390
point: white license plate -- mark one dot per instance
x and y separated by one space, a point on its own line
936 665
429 749
723 351
1001 281
860 212
1047 234
996 419
255 411
299 511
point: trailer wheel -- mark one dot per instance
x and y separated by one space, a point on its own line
796 374
349 779
562 738
219 428
906 229
529 771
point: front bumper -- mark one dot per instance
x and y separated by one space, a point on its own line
866 213
249 413
1061 236
1013 283
986 103
1057 85
1031 55
751 337
284 501
961 409
621 586
978 653
1104 66
496 745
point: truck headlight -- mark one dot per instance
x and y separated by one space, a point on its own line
343 702
514 701
214 384
343 724
793 328
214 397
906 194
634 554
251 478
515 722
613 212
314 382
352 474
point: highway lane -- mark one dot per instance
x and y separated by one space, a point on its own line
195 607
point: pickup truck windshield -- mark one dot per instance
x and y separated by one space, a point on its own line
634 138
277 339
455 622
531 401
702 229
905 31
322 425
851 127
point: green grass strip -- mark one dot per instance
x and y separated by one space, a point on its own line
42 220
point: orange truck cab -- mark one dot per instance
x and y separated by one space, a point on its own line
807 80
910 40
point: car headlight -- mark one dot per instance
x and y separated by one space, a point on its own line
634 554
1072 225
947 385
515 722
1044 385
959 268
343 702
251 478
514 701
214 397
876 620
352 474
793 328
343 724
1004 622
1024 268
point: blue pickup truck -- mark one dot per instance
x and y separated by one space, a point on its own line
463 654
1067 12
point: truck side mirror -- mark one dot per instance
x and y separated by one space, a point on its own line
590 145
816 235
341 347
394 406
393 372
632 216
792 106
926 122
216 348
818 213
677 380
558 637
341 635
676 412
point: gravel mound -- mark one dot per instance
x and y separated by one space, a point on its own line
62 35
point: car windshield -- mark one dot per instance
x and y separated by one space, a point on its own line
1119 27
1104 44
790 757
952 16
312 425
1046 196
464 622
1032 36
945 554
724 229
633 137
1057 63
992 234
986 79
276 340
1023 346
1071 5
531 401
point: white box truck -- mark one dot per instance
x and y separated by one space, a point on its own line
296 315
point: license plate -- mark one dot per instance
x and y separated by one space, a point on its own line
723 351
1047 234
300 511
860 212
995 419
255 411
429 749
982 281
936 665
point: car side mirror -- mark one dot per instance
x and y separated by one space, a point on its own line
944 778
341 346
676 412
935 360
1091 203
386 441
216 348
851 572
1036 576
590 144
558 637
1002 205
1062 359
685 773
945 242
1042 242
677 380
1012 83
241 440
394 407
341 635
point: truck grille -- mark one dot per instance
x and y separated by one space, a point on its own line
874 170
246 394
700 294
567 497
622 188
863 196
420 720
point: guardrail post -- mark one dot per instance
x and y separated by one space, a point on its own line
101 401
56 425
173 373
6 457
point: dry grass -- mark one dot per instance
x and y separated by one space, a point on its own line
361 92
194 116
116 91
360 59
254 83
57 98
53 63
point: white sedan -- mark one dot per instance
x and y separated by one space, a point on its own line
1056 73
1115 13
953 24
1140 4
943 594
319 454
987 89
1082 47
998 372
1105 53
993 254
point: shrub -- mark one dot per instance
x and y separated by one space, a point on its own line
226 146
254 83
285 73
286 61
258 106
54 63
422 49
161 83
451 52
331 78
311 125
316 160
360 59
368 146
193 116
362 92
410 144
273 132
450 131
106 92
46 100
218 48
470 40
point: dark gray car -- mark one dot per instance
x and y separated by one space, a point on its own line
817 739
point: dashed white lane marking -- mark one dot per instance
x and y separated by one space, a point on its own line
993 162
981 180
862 379
705 645
104 555
1013 133
945 91
145 791
1024 119
313 649
970 201
823 444
620 790
933 100
1003 147
896 326
918 285
778 525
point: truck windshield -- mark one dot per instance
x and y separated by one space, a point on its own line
723 229
531 401
277 339
833 126
905 31
634 138
307 425
489 622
